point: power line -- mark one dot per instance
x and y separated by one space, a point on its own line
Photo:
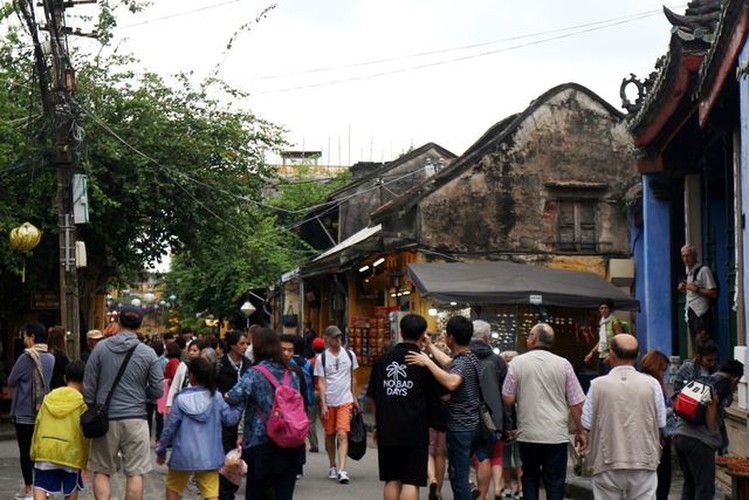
322 69
179 14
454 59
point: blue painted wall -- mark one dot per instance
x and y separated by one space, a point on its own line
744 109
657 256
717 228
637 237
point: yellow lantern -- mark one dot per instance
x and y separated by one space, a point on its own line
25 237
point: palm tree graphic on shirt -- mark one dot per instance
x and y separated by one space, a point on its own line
395 371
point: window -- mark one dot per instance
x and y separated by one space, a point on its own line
576 226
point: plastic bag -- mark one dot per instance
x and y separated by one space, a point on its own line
234 467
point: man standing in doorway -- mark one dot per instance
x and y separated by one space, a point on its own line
700 287
546 391
624 412
334 371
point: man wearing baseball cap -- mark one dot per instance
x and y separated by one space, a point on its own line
334 372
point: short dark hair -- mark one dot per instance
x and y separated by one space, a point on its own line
168 336
622 353
210 341
158 347
460 329
74 371
733 368
705 347
608 303
413 326
288 338
232 338
38 331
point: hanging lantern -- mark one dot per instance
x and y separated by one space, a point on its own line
25 237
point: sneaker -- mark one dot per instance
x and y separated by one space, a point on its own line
508 493
333 473
519 494
24 496
343 477
314 450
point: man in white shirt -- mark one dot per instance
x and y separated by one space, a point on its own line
700 287
624 412
334 371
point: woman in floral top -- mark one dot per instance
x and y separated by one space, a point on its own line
268 466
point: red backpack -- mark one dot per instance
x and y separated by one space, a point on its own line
287 425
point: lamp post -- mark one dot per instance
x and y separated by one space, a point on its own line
247 309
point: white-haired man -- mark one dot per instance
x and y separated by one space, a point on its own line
700 287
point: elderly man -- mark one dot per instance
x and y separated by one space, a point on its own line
127 444
700 287
546 391
624 411
492 372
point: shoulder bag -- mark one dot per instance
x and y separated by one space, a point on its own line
95 420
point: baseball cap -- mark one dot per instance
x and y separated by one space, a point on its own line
131 316
94 335
318 343
333 331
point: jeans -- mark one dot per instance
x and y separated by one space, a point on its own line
460 446
697 461
547 462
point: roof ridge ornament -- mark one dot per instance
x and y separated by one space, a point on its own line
643 87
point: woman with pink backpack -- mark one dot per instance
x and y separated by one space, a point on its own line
272 458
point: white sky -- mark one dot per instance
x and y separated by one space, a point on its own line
449 102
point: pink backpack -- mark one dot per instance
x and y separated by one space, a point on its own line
287 425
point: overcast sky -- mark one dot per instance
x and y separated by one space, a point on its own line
368 79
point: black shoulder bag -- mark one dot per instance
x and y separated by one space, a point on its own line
486 419
95 420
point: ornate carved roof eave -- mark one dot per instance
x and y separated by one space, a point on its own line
731 34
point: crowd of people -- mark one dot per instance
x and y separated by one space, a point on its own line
500 425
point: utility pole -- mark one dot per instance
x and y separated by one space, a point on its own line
61 110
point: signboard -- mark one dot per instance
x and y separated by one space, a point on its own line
536 300
45 300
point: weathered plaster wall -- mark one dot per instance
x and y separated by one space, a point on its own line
365 198
503 201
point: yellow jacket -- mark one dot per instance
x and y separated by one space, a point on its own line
57 435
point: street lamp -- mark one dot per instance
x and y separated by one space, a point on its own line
247 309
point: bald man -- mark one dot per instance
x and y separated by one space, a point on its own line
624 413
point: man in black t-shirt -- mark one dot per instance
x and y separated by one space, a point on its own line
461 379
404 397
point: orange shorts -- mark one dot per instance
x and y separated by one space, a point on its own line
339 419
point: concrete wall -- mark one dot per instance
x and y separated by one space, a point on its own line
569 147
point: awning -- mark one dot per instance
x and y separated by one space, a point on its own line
477 283
352 240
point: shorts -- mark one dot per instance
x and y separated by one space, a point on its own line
487 448
339 419
131 438
437 442
511 456
58 480
207 480
407 464
499 447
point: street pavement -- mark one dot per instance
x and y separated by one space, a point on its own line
315 485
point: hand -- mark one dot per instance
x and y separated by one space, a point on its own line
589 358
417 358
581 440
682 287
324 411
160 459
167 409
510 436
692 287
355 403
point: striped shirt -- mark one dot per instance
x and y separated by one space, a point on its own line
463 408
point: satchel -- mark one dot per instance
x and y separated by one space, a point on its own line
95 420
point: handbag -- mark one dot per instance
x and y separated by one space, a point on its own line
95 420
357 438
486 420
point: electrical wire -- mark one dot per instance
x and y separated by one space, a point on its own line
179 14
444 61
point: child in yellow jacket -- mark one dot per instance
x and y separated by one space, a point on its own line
58 448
